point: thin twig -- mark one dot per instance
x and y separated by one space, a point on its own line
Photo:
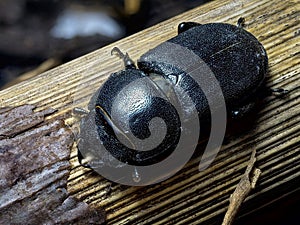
242 190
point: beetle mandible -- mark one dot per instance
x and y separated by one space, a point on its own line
236 58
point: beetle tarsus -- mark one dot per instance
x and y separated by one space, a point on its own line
128 62
279 91
241 22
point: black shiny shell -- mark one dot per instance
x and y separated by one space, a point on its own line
237 59
137 104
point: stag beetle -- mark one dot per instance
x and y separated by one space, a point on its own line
237 59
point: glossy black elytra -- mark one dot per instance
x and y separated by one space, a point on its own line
237 59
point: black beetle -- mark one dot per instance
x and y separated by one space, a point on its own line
237 59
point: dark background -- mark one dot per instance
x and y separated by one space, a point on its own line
28 38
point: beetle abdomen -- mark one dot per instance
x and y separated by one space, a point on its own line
236 58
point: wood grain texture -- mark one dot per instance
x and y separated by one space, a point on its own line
191 197
34 159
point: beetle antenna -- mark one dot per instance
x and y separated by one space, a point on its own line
128 62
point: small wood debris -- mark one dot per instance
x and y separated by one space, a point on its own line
246 184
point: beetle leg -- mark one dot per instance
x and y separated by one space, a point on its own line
128 62
242 111
81 158
136 176
279 91
245 109
80 111
184 26
241 22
